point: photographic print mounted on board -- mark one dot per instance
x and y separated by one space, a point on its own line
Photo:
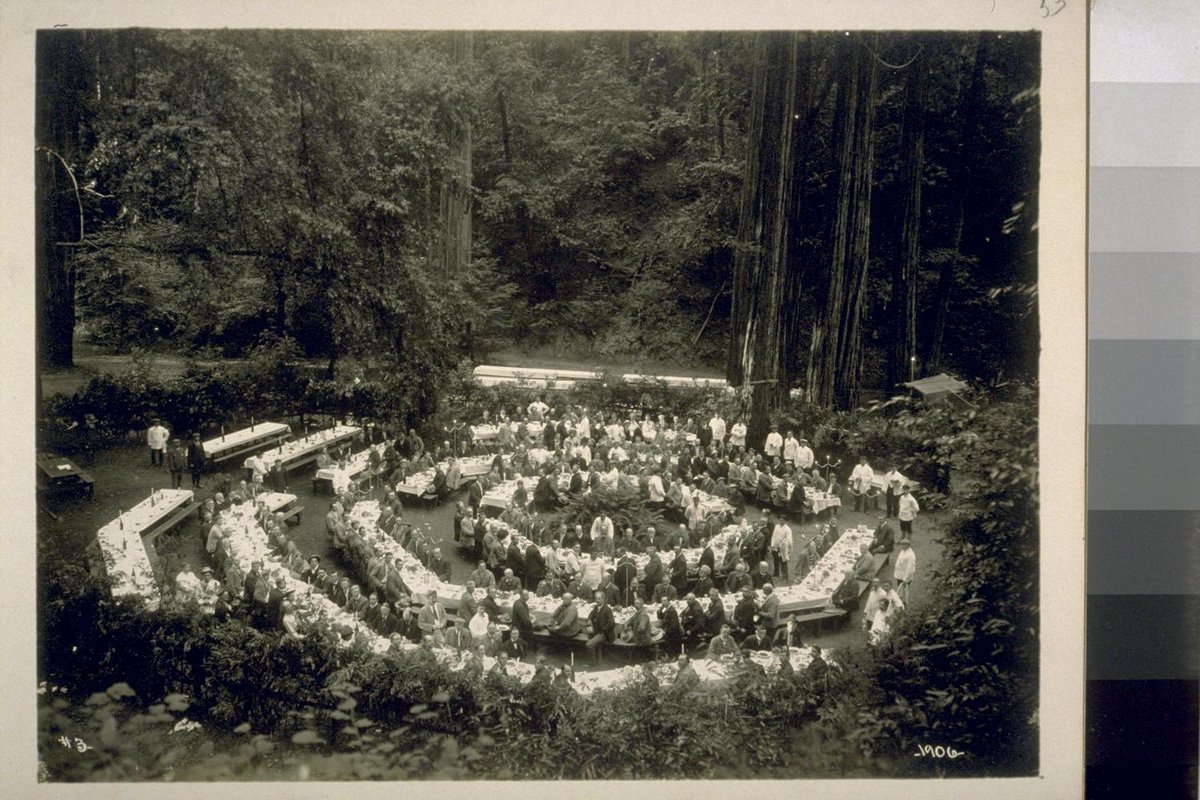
543 395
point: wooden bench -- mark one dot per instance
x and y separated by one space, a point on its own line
819 618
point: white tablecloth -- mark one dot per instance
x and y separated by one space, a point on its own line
124 552
231 441
306 445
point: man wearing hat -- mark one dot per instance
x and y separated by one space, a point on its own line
791 449
804 455
157 437
773 447
309 575
906 567
195 459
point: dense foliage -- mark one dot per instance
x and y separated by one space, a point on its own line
240 182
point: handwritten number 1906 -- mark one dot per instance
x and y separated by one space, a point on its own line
937 752
1058 5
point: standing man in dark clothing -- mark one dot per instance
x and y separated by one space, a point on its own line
195 459
679 571
602 625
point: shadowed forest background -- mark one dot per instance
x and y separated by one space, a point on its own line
417 199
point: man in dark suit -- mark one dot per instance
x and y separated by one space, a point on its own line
601 625
654 571
679 571
522 620
624 576
759 641
490 606
744 613
514 559
438 565
535 566
668 619
714 615
817 668
387 623
515 646
708 558
885 537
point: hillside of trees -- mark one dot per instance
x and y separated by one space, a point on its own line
831 212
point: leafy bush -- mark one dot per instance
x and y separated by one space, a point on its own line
626 509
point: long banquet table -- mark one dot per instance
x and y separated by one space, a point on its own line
123 542
293 454
241 441
247 543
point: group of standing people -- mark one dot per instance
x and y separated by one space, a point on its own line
178 456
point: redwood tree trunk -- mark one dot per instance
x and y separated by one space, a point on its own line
455 194
65 77
906 264
763 264
835 363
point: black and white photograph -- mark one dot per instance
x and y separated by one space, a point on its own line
494 403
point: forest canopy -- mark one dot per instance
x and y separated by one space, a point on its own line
429 197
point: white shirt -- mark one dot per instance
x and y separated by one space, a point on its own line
862 476
157 437
657 494
894 479
538 456
880 627
791 449
611 478
618 454
805 457
615 431
737 435
774 444
583 428
686 491
258 465
601 526
781 539
648 429
906 564
717 425
584 452
478 626
537 409
908 507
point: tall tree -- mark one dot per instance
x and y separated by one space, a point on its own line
454 252
835 359
907 260
763 264
66 83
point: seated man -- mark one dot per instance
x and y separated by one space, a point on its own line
885 537
509 583
760 640
722 644
565 620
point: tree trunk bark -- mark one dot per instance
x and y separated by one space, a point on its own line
455 195
905 266
835 363
65 76
763 263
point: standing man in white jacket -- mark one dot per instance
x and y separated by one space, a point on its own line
908 512
905 569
